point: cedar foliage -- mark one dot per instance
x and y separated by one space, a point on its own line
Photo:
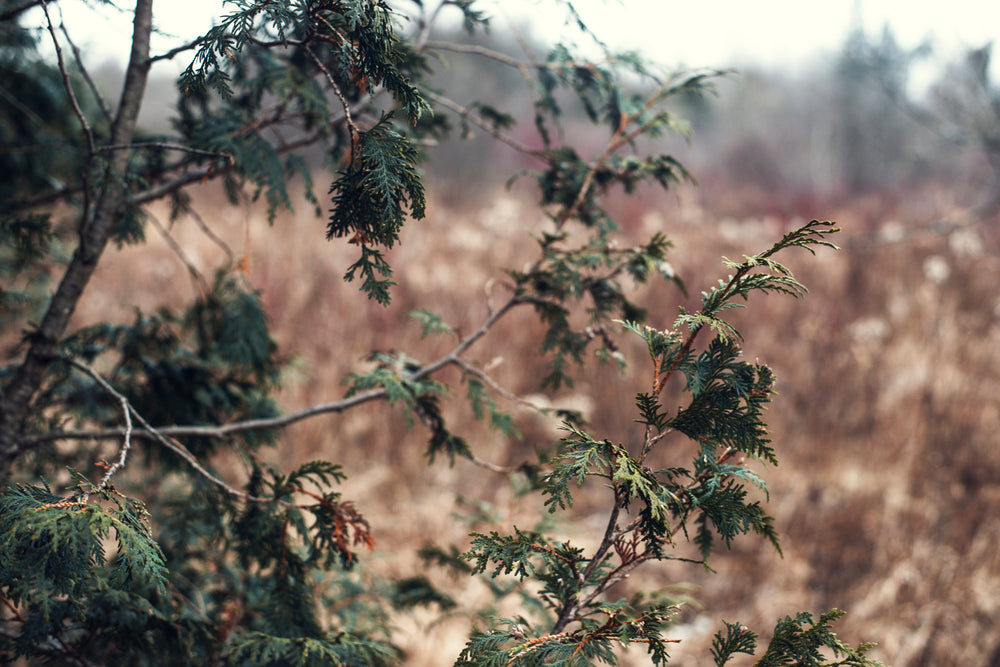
204 571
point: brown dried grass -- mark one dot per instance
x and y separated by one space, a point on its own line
889 488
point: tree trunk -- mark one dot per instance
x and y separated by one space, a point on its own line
111 200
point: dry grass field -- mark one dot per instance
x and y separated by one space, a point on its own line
888 494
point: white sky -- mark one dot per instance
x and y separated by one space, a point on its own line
695 33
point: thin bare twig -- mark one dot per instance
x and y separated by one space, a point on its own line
226 430
199 281
165 145
126 415
176 50
66 82
215 238
340 96
156 435
495 386
85 72
475 119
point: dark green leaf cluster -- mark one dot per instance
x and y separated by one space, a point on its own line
738 639
800 640
260 570
514 554
54 565
370 199
316 57
41 136
595 643
728 399
257 649
360 33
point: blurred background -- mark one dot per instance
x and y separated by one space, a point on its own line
880 116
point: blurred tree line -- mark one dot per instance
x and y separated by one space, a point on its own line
853 124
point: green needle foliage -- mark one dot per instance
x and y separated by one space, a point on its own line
265 569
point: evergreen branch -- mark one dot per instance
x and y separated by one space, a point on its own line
61 649
206 173
618 139
169 187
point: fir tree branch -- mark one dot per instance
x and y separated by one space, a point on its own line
60 647
620 138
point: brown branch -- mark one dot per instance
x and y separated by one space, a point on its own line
156 435
503 58
495 386
212 236
340 96
94 235
226 430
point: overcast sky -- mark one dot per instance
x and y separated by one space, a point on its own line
695 33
